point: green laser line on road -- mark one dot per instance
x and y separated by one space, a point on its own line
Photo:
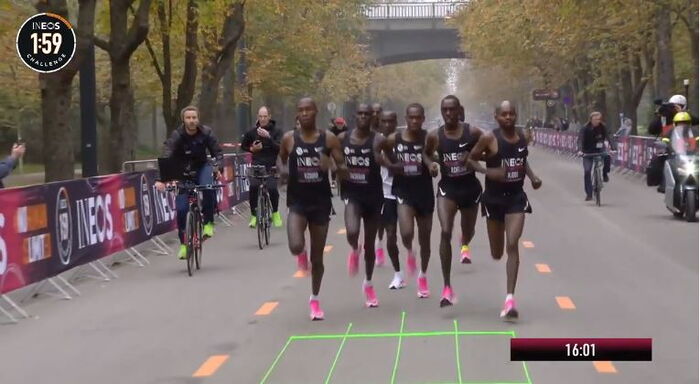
459 363
527 373
337 355
277 359
398 349
390 335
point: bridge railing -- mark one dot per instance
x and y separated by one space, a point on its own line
434 10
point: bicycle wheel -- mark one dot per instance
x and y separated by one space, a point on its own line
598 184
261 219
190 234
198 238
268 218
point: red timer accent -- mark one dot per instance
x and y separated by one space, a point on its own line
585 349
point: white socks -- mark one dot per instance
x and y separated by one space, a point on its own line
367 283
509 296
313 297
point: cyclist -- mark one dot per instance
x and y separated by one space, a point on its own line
306 153
189 144
592 138
263 141
459 190
504 203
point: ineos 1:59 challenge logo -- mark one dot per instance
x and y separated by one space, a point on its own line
46 42
146 208
64 225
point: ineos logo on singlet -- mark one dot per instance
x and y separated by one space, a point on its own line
358 161
410 157
308 161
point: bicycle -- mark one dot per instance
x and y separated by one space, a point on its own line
194 222
264 210
598 159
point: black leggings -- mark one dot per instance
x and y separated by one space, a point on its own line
407 215
353 216
392 245
296 226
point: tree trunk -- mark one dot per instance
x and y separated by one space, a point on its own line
664 54
123 42
185 91
227 127
166 76
56 94
220 59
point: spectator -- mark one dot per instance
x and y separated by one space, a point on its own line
625 129
10 162
663 121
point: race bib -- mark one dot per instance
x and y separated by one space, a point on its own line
411 170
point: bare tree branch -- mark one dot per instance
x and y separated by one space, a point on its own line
138 30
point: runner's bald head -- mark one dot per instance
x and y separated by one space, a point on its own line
505 105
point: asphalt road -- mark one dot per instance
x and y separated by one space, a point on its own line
629 268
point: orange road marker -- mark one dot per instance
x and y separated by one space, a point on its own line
342 231
604 367
565 302
543 268
267 308
528 244
299 274
327 249
210 366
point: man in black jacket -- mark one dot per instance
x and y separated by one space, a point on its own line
189 144
592 138
263 141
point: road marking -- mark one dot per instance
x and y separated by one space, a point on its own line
210 366
337 355
398 350
327 248
604 367
543 268
565 302
528 244
300 274
342 231
267 308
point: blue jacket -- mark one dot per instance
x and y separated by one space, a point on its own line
6 167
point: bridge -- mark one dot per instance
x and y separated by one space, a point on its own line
402 32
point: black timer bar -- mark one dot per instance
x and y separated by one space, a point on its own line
580 349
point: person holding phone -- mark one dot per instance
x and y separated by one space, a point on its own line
10 162
263 141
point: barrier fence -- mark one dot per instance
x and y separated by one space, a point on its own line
634 152
48 229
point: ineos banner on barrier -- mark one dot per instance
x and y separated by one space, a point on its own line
48 229
633 152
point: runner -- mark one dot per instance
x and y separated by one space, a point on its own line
376 112
414 193
458 189
387 124
362 193
504 202
306 152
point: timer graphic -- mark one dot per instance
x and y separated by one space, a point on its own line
46 42
587 349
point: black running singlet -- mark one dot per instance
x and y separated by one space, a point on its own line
452 155
364 180
512 157
416 177
308 182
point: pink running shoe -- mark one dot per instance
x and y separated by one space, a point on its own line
509 313
303 262
316 312
423 291
411 264
371 296
466 255
353 262
448 297
380 259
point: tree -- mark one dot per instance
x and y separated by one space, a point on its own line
123 42
56 94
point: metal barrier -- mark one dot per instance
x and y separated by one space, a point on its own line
434 10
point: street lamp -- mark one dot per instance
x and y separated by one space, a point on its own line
686 84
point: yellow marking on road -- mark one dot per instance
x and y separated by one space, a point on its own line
565 302
210 366
604 367
543 268
267 308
